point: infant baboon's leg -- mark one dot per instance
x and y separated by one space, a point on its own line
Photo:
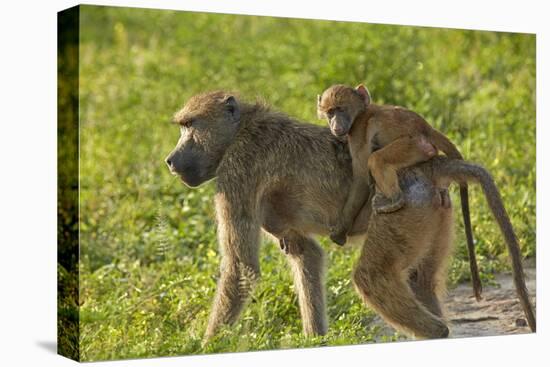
306 259
381 278
384 164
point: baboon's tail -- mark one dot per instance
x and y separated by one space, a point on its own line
446 146
464 201
461 171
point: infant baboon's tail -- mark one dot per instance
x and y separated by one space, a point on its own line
461 171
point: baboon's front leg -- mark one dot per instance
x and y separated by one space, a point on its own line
307 263
239 241
234 287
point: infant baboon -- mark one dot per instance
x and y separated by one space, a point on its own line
382 140
289 179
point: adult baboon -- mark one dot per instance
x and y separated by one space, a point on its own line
290 179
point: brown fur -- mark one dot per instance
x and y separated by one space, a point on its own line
289 178
383 140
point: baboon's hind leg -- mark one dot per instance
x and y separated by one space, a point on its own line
421 284
382 281
428 279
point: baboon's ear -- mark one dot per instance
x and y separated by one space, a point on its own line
320 114
364 93
232 107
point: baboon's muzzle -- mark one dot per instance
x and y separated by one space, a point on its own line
188 172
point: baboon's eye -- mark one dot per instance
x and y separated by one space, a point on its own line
332 111
187 123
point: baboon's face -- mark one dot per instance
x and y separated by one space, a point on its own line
208 123
340 105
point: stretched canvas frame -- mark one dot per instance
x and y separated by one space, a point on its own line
74 106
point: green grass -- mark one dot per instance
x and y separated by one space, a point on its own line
149 255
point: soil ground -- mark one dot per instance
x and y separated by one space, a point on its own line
497 313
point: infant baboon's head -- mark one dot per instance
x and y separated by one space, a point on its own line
340 105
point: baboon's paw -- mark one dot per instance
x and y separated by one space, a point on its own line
444 332
439 331
385 205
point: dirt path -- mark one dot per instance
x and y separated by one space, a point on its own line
498 313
